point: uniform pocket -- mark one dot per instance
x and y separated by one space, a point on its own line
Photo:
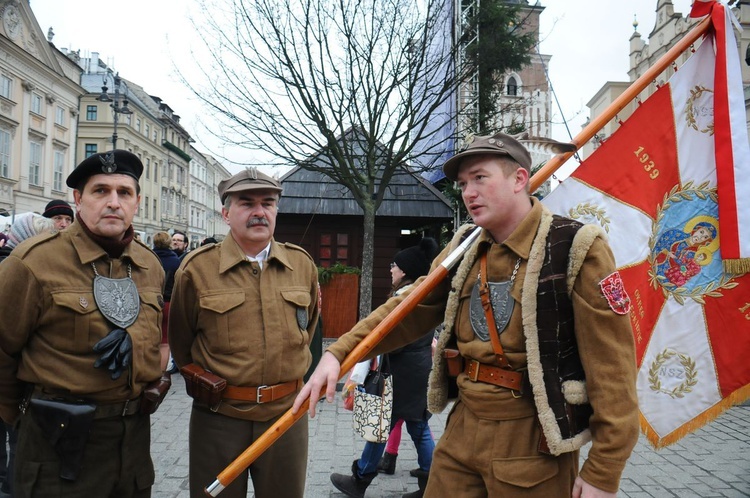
152 304
72 320
226 330
525 476
296 305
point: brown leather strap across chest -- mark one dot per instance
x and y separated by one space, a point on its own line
490 374
262 394
484 293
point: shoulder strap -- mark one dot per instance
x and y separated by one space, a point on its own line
484 293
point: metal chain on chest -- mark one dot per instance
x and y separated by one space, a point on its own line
130 271
510 286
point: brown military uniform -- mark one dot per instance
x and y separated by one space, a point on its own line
251 327
51 322
490 443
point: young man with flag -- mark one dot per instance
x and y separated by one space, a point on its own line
536 322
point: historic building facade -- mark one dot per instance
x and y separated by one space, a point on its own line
58 107
669 28
39 92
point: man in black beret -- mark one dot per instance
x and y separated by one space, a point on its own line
79 363
60 212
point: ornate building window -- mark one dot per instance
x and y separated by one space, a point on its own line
36 103
6 87
60 116
512 86
91 113
58 170
5 153
91 149
35 163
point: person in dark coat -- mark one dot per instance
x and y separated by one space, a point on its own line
170 262
410 367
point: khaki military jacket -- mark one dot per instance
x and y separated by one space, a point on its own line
50 319
250 326
604 338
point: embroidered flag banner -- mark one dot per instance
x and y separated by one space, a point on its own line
673 222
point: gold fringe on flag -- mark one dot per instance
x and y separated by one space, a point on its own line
739 396
736 266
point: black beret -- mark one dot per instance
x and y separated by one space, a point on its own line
56 207
115 162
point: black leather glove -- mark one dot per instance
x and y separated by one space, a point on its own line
116 352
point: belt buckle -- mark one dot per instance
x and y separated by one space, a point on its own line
125 408
258 393
476 370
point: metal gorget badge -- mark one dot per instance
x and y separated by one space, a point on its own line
501 302
117 299
502 307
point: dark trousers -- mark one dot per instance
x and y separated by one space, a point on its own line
216 440
116 461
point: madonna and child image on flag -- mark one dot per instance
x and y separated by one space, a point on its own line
671 190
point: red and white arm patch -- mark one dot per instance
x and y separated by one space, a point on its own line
614 290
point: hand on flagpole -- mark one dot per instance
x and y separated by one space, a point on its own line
326 375
582 489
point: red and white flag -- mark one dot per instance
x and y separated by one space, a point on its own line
679 227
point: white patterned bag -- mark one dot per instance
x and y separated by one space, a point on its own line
373 405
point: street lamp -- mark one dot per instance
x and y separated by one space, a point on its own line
115 104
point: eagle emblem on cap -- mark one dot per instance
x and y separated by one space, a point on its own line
467 140
108 163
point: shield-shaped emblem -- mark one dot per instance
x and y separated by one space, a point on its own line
502 307
117 299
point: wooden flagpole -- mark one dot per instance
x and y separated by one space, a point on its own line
620 102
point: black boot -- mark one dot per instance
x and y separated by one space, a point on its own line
387 464
353 485
419 473
422 482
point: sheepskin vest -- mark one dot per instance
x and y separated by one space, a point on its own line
554 368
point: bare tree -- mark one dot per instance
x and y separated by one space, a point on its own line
293 78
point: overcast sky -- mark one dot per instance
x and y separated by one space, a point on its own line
144 39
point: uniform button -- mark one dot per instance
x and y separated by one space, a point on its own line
255 272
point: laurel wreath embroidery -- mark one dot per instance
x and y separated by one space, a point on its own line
712 289
690 117
588 209
691 375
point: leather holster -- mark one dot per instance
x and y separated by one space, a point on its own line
202 385
154 393
66 427
454 362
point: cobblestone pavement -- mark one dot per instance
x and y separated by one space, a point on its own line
712 462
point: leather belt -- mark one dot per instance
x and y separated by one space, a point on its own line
262 394
490 374
130 407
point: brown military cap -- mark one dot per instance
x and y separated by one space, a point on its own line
498 144
115 162
248 179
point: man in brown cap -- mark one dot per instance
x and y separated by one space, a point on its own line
243 313
537 327
79 361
